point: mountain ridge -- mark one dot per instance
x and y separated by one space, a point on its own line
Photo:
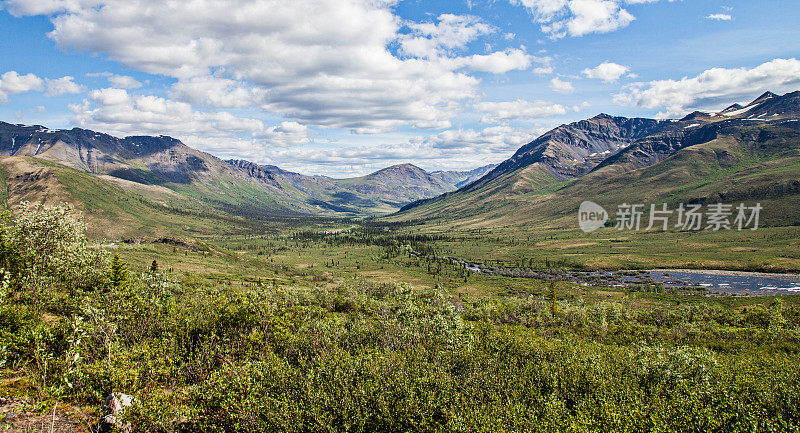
547 175
165 171
168 176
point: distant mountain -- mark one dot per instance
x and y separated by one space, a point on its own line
383 191
104 176
462 178
700 127
398 184
745 152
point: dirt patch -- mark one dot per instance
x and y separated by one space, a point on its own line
16 415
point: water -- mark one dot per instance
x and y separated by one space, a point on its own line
733 283
711 282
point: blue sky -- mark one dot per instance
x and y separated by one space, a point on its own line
345 87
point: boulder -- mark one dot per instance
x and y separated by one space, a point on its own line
114 404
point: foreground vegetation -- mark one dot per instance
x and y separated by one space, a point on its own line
313 332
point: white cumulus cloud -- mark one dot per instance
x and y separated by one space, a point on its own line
714 87
124 82
560 18
324 63
118 81
518 109
12 83
63 85
119 112
498 62
434 39
606 71
561 86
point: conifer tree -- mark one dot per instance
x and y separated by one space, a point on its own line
119 271
553 298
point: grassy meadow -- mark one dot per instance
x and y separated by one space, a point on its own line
330 325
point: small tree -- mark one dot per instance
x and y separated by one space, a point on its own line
553 298
119 271
154 267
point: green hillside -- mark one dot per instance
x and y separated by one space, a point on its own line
114 208
757 163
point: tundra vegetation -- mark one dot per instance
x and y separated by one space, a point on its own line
373 328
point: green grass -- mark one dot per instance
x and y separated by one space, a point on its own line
184 210
299 330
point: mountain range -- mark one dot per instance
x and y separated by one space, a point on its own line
144 184
742 153
104 176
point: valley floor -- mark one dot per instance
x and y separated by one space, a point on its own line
329 327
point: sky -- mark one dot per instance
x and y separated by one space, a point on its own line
346 87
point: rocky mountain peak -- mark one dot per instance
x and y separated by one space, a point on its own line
698 115
765 96
399 170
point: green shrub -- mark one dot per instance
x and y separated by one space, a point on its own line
46 254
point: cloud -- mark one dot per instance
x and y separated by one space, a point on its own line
560 86
12 83
498 62
561 18
124 82
121 113
719 17
63 85
714 87
428 40
457 149
606 71
217 92
518 109
545 65
118 81
46 7
492 139
349 64
439 42
595 16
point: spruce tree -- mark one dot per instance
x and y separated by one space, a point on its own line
553 298
119 271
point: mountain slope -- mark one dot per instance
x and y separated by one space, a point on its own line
744 154
109 209
200 181
573 150
397 185
47 165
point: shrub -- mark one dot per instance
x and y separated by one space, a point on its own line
45 251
